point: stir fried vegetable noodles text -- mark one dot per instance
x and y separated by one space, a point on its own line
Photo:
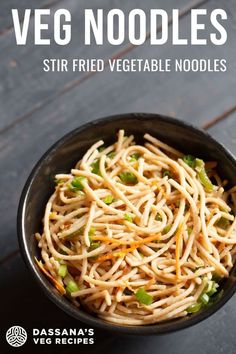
139 234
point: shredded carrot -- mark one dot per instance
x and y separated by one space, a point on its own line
177 250
119 252
105 257
201 238
123 252
59 287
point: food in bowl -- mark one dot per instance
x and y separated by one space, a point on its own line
139 234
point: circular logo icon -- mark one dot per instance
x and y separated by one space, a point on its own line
16 336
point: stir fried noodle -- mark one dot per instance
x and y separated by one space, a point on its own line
139 234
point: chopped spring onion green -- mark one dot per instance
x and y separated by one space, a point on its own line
111 155
189 160
109 199
143 297
204 298
208 286
134 157
58 181
62 270
167 173
101 148
158 217
72 287
76 233
211 288
223 223
216 277
128 178
204 179
76 184
166 229
128 217
189 230
92 231
95 167
217 296
94 246
194 308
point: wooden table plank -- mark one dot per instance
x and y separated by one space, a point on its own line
25 86
7 5
31 309
225 132
191 96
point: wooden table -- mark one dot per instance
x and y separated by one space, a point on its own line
37 108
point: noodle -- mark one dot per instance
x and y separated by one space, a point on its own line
139 233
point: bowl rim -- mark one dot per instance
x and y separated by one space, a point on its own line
55 297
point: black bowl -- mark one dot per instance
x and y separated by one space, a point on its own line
62 156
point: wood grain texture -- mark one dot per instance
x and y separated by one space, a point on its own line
220 118
225 132
7 5
194 97
25 87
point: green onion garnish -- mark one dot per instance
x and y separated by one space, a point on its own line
204 179
211 288
158 217
189 160
58 181
189 230
128 178
92 231
76 233
204 298
216 277
194 308
76 184
109 199
167 173
128 217
134 157
95 167
111 155
72 287
143 297
166 229
101 148
223 223
217 296
94 246
62 270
